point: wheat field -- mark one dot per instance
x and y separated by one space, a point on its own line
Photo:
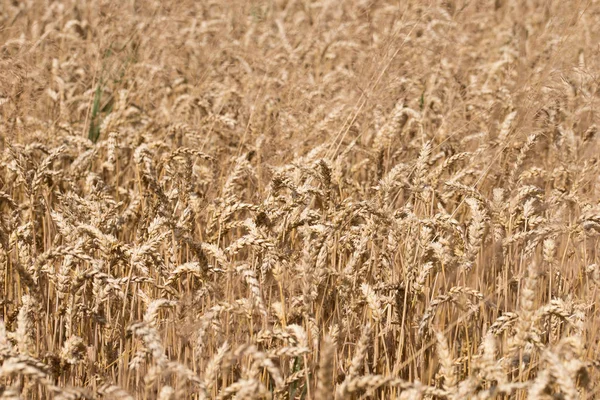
298 199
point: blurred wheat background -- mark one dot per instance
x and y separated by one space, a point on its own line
297 199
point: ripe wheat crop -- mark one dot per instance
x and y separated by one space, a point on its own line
299 199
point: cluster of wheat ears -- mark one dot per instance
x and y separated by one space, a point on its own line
294 199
